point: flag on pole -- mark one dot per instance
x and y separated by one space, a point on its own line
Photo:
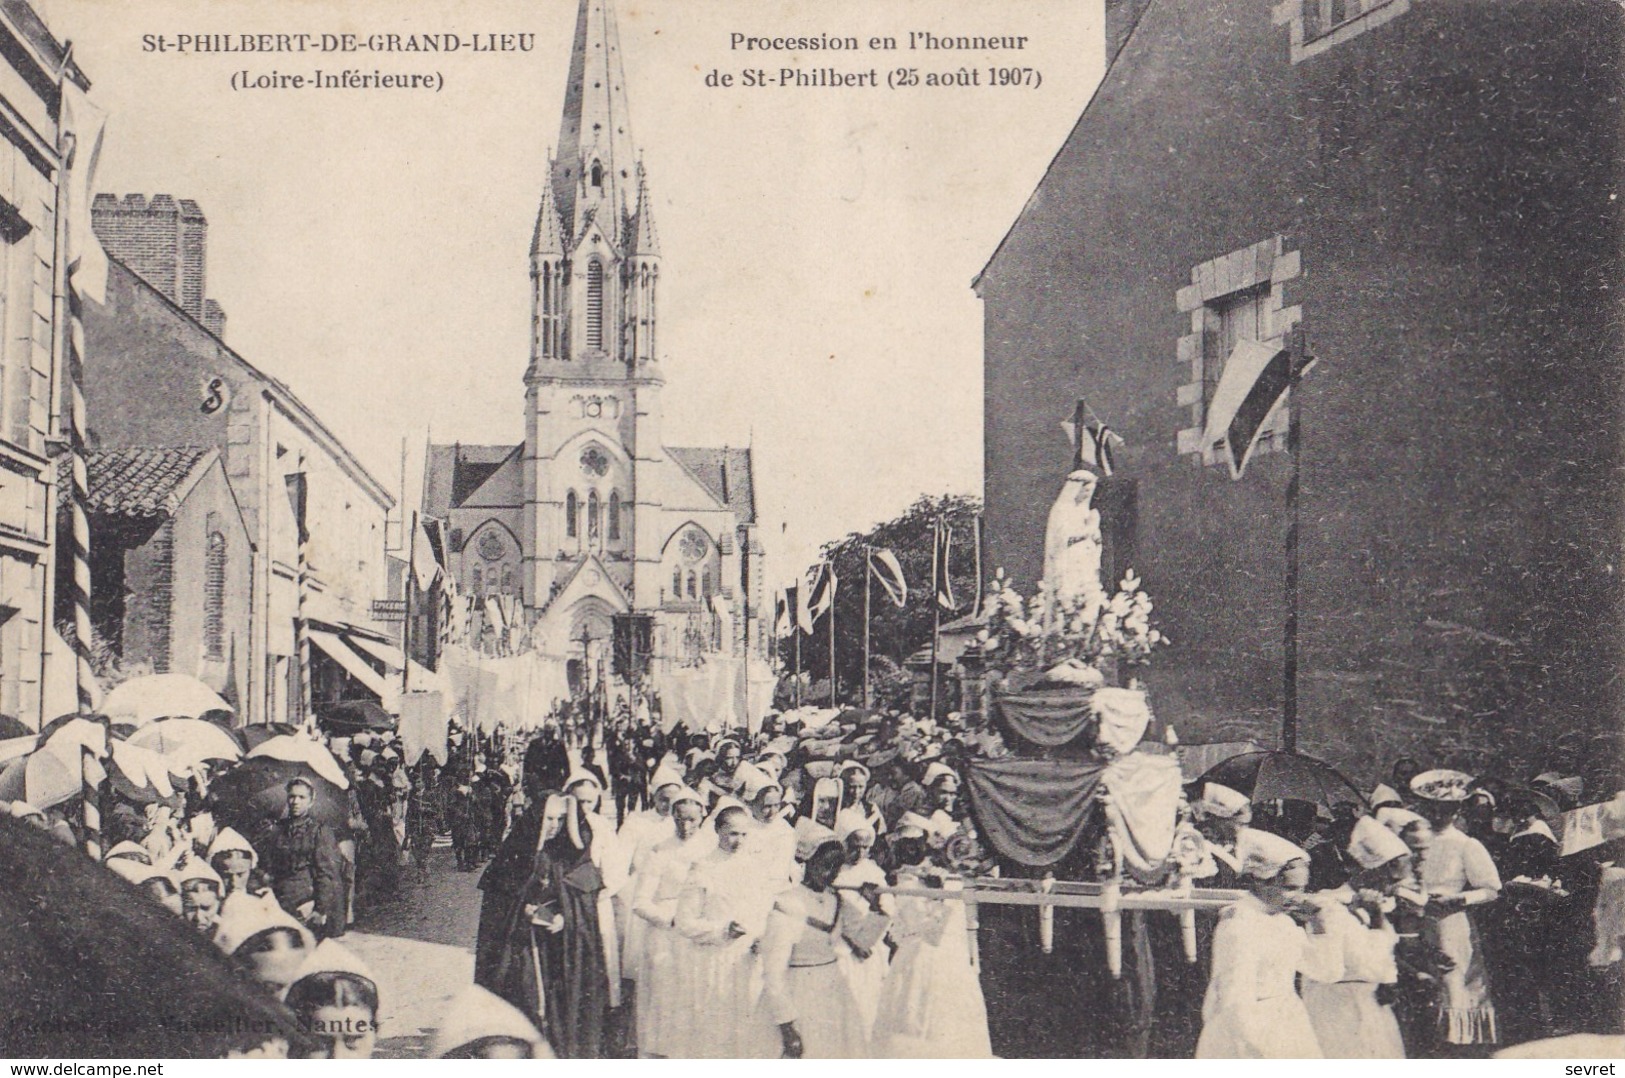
889 572
1256 377
84 123
1092 441
425 562
784 612
821 583
943 558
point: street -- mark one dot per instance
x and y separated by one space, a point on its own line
421 946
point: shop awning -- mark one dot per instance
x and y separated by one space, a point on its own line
388 654
354 665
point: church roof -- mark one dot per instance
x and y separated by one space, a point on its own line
453 473
597 124
728 474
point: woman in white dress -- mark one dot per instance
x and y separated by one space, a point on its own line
1252 1009
864 960
720 917
931 1004
1457 874
806 1000
1349 1021
660 884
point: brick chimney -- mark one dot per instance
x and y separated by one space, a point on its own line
165 242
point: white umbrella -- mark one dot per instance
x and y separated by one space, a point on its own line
186 742
146 773
297 748
13 748
157 696
42 779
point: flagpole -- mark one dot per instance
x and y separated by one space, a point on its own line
936 607
1289 687
868 586
795 678
411 582
829 567
307 714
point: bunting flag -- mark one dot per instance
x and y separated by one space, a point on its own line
299 496
821 584
889 572
942 560
425 562
1255 378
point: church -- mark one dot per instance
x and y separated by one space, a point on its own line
594 516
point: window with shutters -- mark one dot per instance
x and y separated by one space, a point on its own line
1241 296
595 304
214 597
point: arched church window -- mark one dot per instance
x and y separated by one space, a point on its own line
570 514
597 174
595 304
693 590
479 581
592 516
705 583
677 583
614 516
507 579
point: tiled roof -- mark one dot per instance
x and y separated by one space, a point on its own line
726 473
142 482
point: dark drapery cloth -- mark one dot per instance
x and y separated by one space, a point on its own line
1033 811
1048 718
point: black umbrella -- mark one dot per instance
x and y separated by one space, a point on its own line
349 716
261 732
13 727
256 791
1284 776
91 967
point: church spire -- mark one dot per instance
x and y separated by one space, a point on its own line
645 242
546 239
592 175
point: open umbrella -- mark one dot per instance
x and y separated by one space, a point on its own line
257 734
91 967
157 696
11 726
186 742
43 779
255 791
349 716
13 747
298 748
1284 776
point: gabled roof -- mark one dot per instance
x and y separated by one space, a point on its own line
564 594
453 473
1122 19
144 482
727 474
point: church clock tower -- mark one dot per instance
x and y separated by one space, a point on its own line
593 384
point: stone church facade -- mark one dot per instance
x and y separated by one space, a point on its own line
594 515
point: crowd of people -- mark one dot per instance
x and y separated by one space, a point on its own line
794 893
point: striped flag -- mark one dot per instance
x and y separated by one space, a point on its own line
941 561
889 572
1092 442
784 612
1255 378
820 591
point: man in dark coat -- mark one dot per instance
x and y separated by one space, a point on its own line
301 856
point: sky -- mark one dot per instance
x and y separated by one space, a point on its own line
370 247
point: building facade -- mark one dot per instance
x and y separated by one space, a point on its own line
1430 192
172 566
594 514
156 376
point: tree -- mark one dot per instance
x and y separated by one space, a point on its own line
895 633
